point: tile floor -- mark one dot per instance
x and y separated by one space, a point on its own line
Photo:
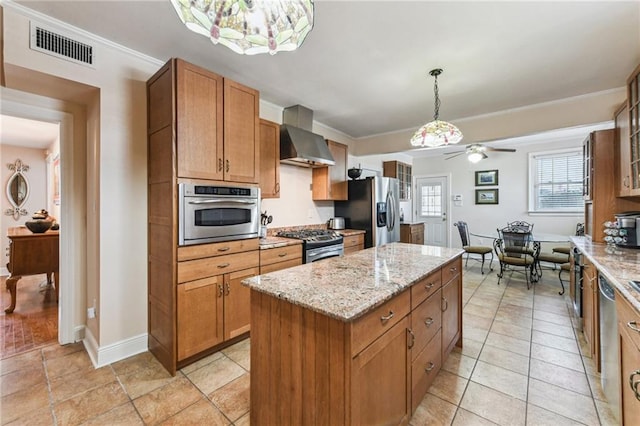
34 322
521 364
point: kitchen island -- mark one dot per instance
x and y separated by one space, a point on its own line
356 339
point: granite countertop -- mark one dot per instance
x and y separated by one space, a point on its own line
618 265
350 232
270 242
347 287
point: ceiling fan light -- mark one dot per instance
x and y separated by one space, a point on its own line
436 133
475 157
249 26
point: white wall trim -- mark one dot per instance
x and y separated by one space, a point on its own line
105 355
4 272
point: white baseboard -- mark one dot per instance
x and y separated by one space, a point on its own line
4 272
101 356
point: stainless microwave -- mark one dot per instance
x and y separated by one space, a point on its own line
211 213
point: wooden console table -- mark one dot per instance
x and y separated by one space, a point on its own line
31 254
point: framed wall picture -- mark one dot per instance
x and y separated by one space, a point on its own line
486 178
487 196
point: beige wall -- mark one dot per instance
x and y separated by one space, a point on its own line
115 159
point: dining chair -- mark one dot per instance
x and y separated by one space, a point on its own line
463 229
520 226
516 248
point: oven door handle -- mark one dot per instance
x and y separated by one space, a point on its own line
249 202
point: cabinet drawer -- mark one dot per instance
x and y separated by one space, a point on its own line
425 288
211 266
450 270
272 267
217 249
425 369
628 317
280 254
353 240
426 321
372 325
353 249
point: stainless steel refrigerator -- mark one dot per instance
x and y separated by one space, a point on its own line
374 206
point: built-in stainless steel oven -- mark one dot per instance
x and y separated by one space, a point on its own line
210 213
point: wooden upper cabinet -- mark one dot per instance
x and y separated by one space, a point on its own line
269 159
624 151
241 133
199 117
330 183
633 104
402 172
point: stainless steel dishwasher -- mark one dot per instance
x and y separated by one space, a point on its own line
609 346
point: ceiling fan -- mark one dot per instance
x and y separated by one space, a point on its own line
476 152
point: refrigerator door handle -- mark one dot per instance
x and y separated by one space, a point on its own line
391 219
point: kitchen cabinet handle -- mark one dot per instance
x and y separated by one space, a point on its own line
223 265
625 181
454 269
429 286
429 367
387 318
413 338
224 249
227 170
219 164
278 188
428 322
227 289
634 326
634 385
220 290
282 254
446 304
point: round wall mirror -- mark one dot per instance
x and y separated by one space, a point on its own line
17 189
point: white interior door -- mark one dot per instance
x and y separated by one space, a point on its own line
431 208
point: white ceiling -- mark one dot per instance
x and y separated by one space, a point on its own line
364 67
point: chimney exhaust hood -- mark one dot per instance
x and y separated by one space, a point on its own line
298 145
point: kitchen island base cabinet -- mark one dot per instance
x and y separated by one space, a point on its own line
629 340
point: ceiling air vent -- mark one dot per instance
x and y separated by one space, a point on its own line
51 43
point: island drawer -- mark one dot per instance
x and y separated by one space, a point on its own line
426 321
425 369
280 254
218 265
628 318
425 288
201 251
372 325
450 270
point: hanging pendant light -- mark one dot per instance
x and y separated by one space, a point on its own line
437 132
249 27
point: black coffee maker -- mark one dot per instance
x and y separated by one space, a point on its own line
628 229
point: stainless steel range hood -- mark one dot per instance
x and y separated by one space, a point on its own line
298 145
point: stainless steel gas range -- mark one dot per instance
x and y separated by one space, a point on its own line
317 243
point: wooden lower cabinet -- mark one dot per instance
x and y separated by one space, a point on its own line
381 380
198 300
353 243
590 311
412 233
237 303
451 313
375 370
629 340
275 259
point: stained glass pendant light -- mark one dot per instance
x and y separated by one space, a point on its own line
437 132
249 26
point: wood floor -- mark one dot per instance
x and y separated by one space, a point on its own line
34 323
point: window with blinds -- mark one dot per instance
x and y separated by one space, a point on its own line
556 182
